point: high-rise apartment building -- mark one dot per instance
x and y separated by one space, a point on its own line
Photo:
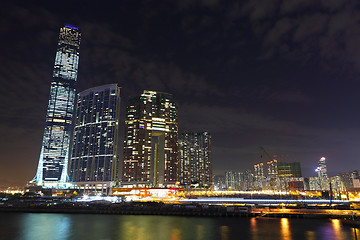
53 161
232 180
272 167
243 181
259 175
95 147
247 180
151 140
195 159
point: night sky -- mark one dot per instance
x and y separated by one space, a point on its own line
282 74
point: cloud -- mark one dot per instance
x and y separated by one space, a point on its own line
324 31
113 59
310 25
186 4
294 6
260 9
293 97
280 32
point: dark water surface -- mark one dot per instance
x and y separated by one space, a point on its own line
29 226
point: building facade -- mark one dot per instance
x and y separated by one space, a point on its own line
286 170
350 180
151 140
259 175
272 167
53 161
319 183
95 146
337 186
195 159
232 180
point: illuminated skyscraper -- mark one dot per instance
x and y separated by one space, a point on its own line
322 178
53 162
321 170
95 147
195 159
151 140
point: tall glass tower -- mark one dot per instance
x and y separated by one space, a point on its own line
53 162
95 150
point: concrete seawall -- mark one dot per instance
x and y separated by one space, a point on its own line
182 210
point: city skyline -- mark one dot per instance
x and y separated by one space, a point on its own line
282 76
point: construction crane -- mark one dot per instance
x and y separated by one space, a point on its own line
265 154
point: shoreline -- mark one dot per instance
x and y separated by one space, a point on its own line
185 210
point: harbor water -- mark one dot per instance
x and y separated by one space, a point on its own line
34 226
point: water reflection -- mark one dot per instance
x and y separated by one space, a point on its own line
337 229
253 229
45 226
285 229
169 228
116 227
310 235
356 234
199 232
176 234
224 232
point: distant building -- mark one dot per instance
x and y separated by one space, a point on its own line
321 170
243 181
247 180
314 184
232 180
337 186
350 180
53 161
195 159
151 141
319 184
259 175
220 183
296 185
272 167
292 184
95 151
286 170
